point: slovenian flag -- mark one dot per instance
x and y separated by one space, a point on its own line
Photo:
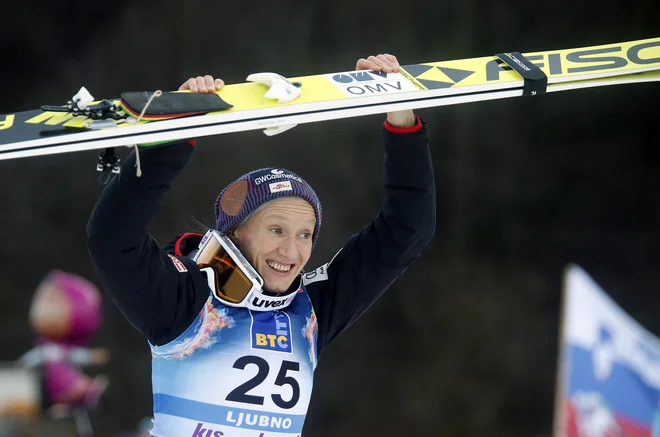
608 381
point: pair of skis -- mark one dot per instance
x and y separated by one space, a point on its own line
274 104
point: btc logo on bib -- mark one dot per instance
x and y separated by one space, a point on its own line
271 331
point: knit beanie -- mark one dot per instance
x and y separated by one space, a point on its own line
243 196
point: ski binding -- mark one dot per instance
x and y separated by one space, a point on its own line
79 105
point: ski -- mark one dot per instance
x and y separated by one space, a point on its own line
274 104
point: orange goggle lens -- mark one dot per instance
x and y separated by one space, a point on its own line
231 283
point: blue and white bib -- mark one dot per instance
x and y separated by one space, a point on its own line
237 373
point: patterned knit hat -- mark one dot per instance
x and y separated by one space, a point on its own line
247 193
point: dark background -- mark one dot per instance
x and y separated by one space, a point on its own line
465 343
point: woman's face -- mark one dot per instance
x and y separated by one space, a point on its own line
277 240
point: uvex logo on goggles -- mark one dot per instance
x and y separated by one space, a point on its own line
267 304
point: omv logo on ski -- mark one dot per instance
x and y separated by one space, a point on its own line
271 331
368 83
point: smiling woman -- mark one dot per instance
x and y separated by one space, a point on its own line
215 308
278 241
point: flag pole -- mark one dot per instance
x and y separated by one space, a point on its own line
559 422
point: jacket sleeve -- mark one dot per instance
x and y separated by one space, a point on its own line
158 293
366 266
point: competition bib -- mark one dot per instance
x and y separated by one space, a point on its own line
236 372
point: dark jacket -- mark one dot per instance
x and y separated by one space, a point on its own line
161 302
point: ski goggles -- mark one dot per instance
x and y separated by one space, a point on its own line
232 278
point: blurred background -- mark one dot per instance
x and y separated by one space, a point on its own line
465 343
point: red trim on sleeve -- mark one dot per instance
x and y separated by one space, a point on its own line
192 142
404 130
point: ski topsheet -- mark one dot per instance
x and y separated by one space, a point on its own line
341 95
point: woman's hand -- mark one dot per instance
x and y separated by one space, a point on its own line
388 64
202 84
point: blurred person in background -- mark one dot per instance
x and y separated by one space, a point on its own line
234 323
65 314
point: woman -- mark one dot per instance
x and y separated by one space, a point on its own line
234 324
